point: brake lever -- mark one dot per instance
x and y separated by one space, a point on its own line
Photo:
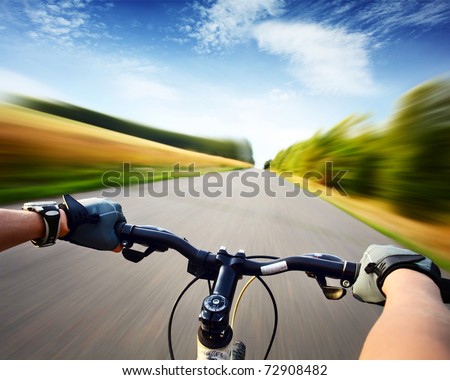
133 255
330 292
136 256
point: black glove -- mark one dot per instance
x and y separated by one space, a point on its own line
379 261
92 222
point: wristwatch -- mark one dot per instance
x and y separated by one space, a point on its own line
50 214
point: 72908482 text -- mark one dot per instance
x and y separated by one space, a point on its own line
299 370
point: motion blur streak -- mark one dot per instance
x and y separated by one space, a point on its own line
407 162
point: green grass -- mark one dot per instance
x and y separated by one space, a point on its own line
405 242
43 156
53 181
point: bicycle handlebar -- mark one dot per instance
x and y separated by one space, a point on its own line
158 239
204 264
226 270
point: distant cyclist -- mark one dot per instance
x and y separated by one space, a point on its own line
414 324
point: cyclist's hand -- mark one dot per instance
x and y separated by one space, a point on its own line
91 222
380 260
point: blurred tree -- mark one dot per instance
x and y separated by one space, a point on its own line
416 163
407 163
348 146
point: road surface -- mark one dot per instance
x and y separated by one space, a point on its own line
69 302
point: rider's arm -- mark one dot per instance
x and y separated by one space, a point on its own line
89 222
414 324
17 227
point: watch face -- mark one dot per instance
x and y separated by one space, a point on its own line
39 206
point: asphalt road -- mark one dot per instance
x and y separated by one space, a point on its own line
69 302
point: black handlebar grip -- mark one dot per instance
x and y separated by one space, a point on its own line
445 290
119 228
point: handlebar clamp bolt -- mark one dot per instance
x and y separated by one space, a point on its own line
346 283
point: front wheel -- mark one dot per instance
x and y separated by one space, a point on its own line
238 351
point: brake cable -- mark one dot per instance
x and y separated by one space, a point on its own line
274 304
169 335
233 315
275 310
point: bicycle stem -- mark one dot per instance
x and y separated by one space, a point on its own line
215 331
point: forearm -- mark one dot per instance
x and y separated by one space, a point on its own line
18 227
415 324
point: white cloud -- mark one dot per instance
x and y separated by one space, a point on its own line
382 18
63 22
386 15
228 22
325 60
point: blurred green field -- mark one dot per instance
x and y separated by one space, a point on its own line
43 155
238 149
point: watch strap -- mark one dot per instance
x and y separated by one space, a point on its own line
51 216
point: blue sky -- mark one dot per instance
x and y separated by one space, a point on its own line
271 71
